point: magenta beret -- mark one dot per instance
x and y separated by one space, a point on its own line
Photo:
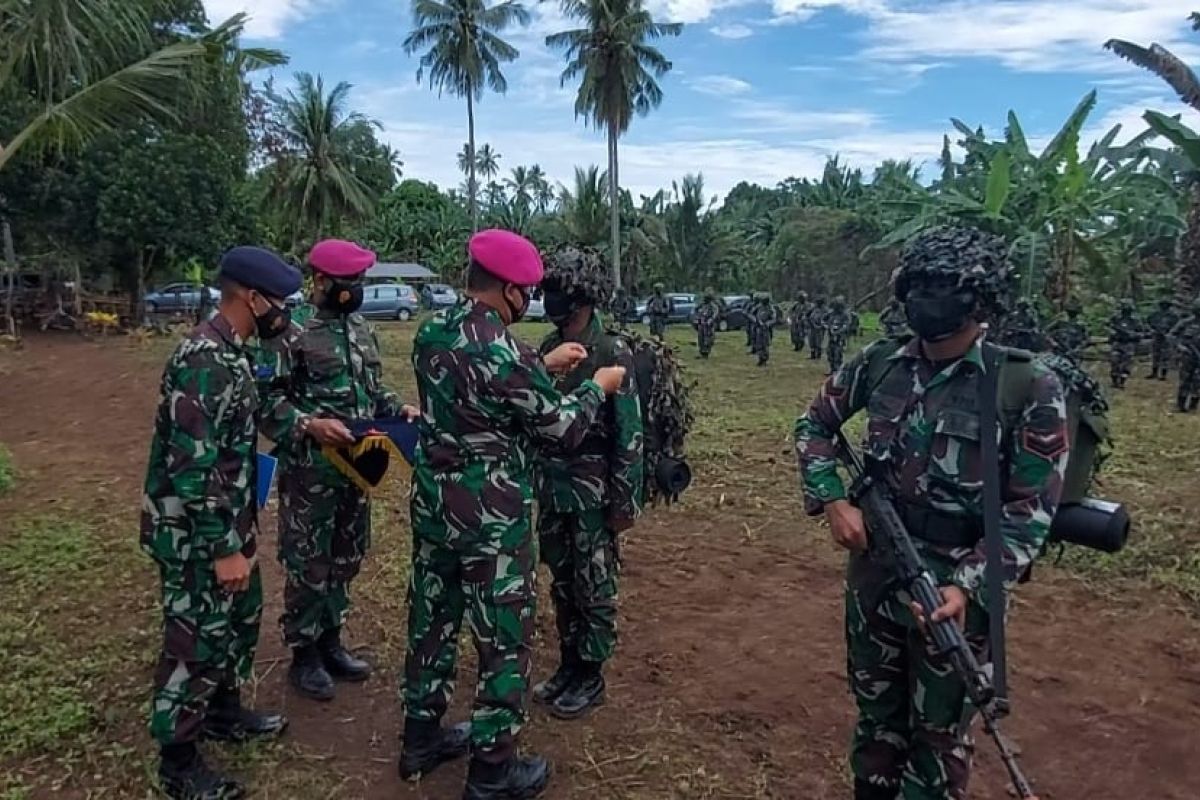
506 255
338 258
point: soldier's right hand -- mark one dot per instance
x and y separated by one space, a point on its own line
330 431
610 379
233 572
846 523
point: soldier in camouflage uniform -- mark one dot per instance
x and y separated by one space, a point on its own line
659 311
589 496
1186 336
816 328
199 520
322 375
1022 328
762 320
912 738
1160 322
798 322
1125 331
488 404
893 321
622 307
837 324
707 315
1068 337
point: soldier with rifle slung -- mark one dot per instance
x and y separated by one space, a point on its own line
925 446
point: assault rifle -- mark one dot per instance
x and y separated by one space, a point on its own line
889 540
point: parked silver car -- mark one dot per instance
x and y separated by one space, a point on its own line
390 301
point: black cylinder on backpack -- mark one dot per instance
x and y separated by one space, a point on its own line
1094 523
673 476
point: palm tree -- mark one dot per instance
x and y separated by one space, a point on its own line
617 71
465 160
583 209
522 185
315 184
487 162
543 192
463 53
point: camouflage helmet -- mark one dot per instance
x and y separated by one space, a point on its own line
710 293
803 295
820 301
659 286
1125 305
839 302
1073 306
977 261
579 272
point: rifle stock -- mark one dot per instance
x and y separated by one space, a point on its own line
890 539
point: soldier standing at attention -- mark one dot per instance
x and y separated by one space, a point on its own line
1124 333
591 495
488 403
816 328
326 374
1161 321
1186 336
838 323
199 519
707 315
658 309
893 321
762 317
798 322
921 397
1068 337
622 307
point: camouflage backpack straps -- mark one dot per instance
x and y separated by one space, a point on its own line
667 416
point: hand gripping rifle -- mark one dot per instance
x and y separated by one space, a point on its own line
890 541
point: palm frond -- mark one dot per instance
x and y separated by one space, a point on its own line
1163 63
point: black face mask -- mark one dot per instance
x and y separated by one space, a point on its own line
343 297
274 322
518 314
937 314
559 307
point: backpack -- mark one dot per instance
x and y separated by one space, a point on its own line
1081 519
667 415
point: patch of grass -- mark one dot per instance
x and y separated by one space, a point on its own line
8 473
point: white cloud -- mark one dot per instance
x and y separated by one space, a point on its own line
733 31
267 18
722 85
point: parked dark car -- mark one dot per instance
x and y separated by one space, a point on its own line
735 316
683 306
390 301
438 295
178 297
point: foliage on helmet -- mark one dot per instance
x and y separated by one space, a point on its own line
667 415
580 272
839 302
976 259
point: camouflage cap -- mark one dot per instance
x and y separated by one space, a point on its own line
977 260
580 272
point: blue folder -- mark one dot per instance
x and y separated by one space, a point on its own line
266 476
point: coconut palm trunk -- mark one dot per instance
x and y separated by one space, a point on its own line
614 206
472 185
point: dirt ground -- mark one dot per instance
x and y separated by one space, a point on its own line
729 681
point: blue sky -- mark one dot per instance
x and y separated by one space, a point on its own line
761 89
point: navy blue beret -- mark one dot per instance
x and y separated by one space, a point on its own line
260 270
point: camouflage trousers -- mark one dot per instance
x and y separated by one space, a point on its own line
761 344
209 636
324 534
836 352
912 738
581 551
799 335
1189 377
1160 355
1120 360
816 341
706 336
494 588
658 326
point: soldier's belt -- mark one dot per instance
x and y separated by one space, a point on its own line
940 528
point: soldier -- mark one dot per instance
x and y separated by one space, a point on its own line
1160 322
798 322
1124 333
199 525
1186 335
913 732
324 374
1068 337
838 324
1022 328
762 316
622 307
589 496
707 315
659 309
892 318
816 328
487 404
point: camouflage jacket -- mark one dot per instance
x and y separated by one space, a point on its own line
816 316
1068 337
926 422
763 314
658 306
622 306
708 313
198 503
1186 335
1125 330
839 323
487 403
798 317
606 470
1161 321
327 365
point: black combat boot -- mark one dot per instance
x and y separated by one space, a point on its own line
228 720
1193 403
518 778
338 661
585 693
868 791
549 690
427 745
307 674
183 775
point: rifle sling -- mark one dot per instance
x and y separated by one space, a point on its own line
993 358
